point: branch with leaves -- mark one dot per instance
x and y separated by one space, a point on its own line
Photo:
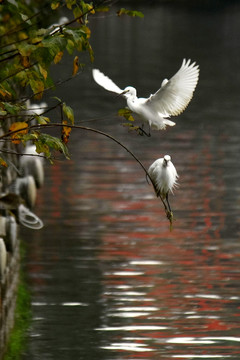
27 50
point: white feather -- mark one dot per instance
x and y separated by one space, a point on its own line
164 176
174 95
105 82
171 99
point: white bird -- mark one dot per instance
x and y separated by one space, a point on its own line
164 178
170 100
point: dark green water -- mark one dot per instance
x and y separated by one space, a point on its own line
108 279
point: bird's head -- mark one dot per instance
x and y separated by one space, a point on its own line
129 91
166 159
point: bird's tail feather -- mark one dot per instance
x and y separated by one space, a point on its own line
169 122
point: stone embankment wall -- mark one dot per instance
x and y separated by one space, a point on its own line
18 187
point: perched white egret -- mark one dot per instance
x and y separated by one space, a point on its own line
170 100
164 177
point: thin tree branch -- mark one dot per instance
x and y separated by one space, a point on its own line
17 28
17 72
6 151
60 82
39 127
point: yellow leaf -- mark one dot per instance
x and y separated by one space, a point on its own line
54 6
3 162
5 93
102 8
66 130
75 66
25 61
90 8
18 129
37 88
22 35
58 57
43 71
42 119
87 31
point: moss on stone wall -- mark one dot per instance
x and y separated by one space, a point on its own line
18 335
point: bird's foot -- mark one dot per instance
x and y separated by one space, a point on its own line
142 132
170 218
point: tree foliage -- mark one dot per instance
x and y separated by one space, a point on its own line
28 47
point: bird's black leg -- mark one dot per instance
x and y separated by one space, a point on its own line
143 132
169 207
165 206
149 130
169 213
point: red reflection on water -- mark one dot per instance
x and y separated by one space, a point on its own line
194 277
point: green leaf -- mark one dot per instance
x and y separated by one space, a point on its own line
55 44
2 112
90 51
12 108
42 148
77 38
46 142
6 90
36 36
37 87
86 7
132 13
102 8
26 49
33 136
44 56
126 113
70 3
55 4
57 98
77 12
42 120
70 46
68 111
131 127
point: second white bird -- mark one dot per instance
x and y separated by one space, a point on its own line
164 177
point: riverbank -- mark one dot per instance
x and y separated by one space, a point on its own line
19 181
22 319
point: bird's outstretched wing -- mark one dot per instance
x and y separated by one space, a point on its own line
105 82
174 95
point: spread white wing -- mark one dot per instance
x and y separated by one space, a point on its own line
105 82
174 95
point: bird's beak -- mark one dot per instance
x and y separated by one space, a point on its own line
122 93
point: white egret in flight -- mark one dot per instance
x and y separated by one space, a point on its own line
164 177
170 100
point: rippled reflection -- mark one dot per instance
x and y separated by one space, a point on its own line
108 278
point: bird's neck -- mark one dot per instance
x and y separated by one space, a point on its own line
132 98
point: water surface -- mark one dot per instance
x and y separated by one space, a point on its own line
108 278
